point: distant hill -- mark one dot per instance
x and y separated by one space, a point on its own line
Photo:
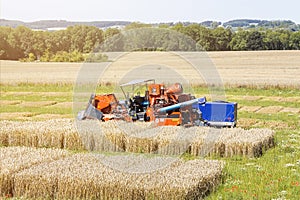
249 23
234 24
49 24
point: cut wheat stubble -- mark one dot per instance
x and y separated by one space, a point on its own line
89 176
15 159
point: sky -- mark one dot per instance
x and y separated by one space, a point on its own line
149 11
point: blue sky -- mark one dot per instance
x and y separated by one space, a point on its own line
149 10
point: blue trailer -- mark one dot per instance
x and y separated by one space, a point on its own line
216 114
219 113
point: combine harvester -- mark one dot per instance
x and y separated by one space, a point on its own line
165 106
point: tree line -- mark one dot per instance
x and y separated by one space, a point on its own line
75 42
224 39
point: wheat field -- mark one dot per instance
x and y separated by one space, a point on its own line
234 68
43 154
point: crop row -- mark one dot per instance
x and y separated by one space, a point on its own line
136 137
38 173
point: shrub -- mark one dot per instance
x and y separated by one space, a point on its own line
63 56
96 57
31 57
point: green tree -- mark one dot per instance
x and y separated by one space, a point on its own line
111 32
178 27
239 40
206 39
59 41
94 37
20 40
6 50
201 35
193 30
295 41
222 38
83 38
272 40
39 45
255 40
284 39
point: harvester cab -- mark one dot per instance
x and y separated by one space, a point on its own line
136 102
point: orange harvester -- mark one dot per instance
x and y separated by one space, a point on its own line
166 106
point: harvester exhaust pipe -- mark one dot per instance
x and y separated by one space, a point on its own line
201 100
